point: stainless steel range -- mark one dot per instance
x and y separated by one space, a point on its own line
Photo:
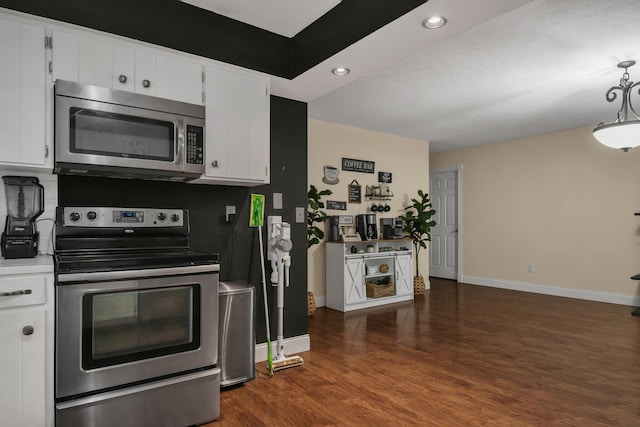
136 320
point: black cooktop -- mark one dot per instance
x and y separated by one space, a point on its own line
85 261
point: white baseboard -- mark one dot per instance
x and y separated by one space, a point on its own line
555 291
321 301
293 345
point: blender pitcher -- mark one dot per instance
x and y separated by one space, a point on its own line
25 202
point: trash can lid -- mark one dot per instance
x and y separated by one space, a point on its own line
235 286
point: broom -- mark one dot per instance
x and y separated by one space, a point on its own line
256 219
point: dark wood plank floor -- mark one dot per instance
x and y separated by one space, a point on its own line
460 355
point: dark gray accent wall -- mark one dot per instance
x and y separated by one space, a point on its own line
236 243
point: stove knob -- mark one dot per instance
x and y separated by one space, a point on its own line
175 217
91 216
74 216
162 216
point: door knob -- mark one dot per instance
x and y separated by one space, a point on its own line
27 330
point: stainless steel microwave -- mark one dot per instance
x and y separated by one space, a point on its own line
105 132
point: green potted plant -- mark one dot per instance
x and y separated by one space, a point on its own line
418 224
314 233
315 215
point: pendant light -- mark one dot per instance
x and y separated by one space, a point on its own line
624 132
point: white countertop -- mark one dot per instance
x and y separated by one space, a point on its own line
37 265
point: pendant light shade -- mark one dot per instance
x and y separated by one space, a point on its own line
624 133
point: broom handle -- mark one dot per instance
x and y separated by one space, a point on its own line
264 286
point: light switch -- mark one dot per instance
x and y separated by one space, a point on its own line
277 200
300 214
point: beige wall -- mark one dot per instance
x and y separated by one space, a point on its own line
407 159
560 201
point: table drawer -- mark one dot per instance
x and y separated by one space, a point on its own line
18 291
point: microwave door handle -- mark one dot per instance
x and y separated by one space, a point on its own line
180 144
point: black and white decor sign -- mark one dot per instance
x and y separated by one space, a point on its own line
384 177
355 165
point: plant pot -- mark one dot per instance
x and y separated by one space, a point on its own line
418 285
311 304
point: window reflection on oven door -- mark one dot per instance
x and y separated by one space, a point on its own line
115 333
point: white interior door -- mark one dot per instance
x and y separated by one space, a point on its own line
444 236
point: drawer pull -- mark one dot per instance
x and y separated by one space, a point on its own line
27 330
15 293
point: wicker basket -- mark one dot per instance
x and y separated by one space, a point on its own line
418 285
311 304
379 291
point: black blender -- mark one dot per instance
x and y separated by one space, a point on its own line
25 202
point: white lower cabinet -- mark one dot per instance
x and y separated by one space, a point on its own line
26 346
22 359
404 274
377 273
354 289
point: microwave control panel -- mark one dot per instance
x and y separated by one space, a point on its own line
195 145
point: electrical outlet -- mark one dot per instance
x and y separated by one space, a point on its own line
229 212
300 213
532 268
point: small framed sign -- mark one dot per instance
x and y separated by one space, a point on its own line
335 205
384 177
355 192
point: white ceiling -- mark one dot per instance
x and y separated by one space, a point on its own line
284 17
499 70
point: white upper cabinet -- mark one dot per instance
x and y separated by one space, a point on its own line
101 62
22 100
237 130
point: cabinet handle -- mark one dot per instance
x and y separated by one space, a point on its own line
215 163
122 78
146 83
15 293
28 330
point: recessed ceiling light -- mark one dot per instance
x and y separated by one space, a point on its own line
341 71
433 22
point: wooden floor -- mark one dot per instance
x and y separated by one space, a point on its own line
462 355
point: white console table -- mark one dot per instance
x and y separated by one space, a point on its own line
349 273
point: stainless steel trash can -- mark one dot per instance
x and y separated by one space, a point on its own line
236 337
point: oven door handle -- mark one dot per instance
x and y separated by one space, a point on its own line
102 276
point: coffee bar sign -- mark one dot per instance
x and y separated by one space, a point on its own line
355 165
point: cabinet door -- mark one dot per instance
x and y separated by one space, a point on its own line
145 73
95 62
179 79
22 103
22 362
237 134
404 271
354 291
123 68
65 56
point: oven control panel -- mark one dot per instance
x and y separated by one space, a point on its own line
122 217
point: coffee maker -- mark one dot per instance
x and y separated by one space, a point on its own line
366 226
25 202
341 229
392 228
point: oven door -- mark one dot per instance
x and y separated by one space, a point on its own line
114 333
